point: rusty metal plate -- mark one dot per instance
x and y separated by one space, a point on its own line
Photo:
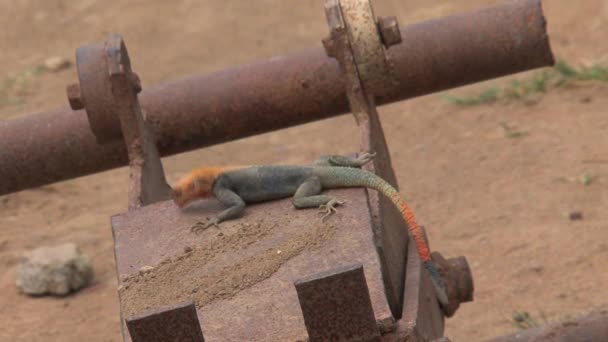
242 301
175 323
336 305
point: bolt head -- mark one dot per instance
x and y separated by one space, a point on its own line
74 96
389 30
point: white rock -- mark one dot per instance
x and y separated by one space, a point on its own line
56 63
55 270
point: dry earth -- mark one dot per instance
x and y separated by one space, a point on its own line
501 202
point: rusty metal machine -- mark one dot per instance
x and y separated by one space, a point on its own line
358 278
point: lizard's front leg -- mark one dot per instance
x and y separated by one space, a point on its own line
338 160
308 196
235 204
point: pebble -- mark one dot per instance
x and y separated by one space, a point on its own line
55 270
56 63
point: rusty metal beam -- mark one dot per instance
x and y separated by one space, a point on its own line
277 93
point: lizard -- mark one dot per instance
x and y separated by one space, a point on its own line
234 186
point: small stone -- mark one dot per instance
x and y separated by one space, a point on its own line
145 269
56 63
575 215
54 270
187 249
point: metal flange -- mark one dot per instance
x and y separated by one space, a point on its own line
108 91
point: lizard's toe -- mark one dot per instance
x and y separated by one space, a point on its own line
199 227
365 157
329 208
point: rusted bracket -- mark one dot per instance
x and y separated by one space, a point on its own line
336 305
358 42
175 323
108 91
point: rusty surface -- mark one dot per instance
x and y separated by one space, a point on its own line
175 323
589 328
336 305
109 93
458 280
95 93
280 92
268 310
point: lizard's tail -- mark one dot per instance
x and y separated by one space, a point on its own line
354 177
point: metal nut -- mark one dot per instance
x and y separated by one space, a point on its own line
389 30
458 280
74 96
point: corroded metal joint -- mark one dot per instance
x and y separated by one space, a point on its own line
389 31
458 279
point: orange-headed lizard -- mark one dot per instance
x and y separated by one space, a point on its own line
236 186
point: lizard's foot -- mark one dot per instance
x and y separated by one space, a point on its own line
199 227
365 157
329 207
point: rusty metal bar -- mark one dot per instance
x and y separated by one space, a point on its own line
592 327
336 306
175 323
277 93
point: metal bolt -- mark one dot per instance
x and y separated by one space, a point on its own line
74 96
135 82
389 30
329 46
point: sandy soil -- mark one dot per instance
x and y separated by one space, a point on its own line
503 203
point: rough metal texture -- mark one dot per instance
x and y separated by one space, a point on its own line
589 328
458 280
336 305
284 91
268 310
108 90
176 323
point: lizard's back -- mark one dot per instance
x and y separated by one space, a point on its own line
265 182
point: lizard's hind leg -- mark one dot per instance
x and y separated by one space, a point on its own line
308 196
338 160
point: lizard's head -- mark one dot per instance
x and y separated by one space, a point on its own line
196 185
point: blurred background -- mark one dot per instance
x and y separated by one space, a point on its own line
494 170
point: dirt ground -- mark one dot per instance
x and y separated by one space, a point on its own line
503 203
